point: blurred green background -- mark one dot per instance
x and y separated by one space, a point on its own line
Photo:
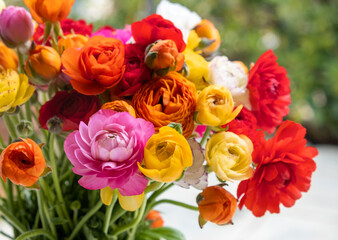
303 34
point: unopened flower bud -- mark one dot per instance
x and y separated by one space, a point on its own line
43 62
16 26
25 129
55 125
163 56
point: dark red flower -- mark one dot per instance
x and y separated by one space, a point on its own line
68 26
136 72
246 123
284 168
269 92
154 28
71 107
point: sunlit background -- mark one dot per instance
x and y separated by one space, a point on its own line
304 36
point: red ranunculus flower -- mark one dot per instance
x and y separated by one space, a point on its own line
71 107
136 72
154 28
68 26
269 92
284 168
246 123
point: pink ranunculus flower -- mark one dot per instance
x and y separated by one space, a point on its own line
106 151
123 34
16 26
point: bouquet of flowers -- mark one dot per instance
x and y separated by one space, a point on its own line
100 124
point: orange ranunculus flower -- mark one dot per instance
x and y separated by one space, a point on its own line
163 57
45 61
217 205
22 162
119 106
156 219
8 58
49 10
96 66
171 98
208 32
71 40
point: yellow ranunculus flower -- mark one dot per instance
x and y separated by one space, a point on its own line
166 155
198 68
215 106
229 156
14 90
8 58
193 40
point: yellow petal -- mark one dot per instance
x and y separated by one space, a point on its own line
130 203
106 195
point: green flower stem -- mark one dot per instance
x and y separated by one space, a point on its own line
6 235
56 178
153 197
18 190
12 219
85 219
10 127
117 213
184 205
10 196
133 223
41 211
108 213
34 233
205 136
46 213
2 143
21 61
36 220
28 111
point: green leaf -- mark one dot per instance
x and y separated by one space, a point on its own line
162 233
47 170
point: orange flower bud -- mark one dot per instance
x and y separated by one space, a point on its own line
22 162
49 10
217 205
71 40
210 38
8 58
119 106
44 61
156 219
163 56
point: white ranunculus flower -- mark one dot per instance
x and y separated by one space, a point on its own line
180 16
223 72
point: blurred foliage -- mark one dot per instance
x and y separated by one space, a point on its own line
303 34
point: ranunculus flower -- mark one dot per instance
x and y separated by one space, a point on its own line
70 107
229 156
180 16
16 26
208 33
96 66
166 155
49 10
72 40
8 58
215 106
225 73
44 61
284 168
68 26
106 151
269 89
197 68
119 106
123 34
167 99
163 56
155 218
15 90
155 27
246 123
217 205
136 73
22 162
